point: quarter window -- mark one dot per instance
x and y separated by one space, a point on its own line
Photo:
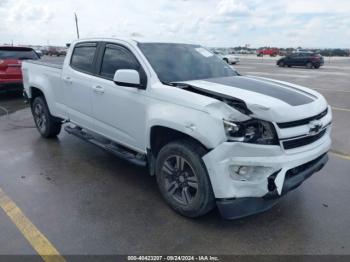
83 57
116 58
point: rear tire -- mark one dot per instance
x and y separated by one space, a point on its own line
317 66
47 125
183 179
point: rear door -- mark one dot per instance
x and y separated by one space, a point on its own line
78 77
119 111
304 58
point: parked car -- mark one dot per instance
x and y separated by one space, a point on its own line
45 51
39 52
211 136
268 51
53 51
63 52
10 66
308 59
228 58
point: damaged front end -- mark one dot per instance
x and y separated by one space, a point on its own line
233 102
233 208
250 178
250 170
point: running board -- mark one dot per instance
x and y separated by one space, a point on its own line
108 145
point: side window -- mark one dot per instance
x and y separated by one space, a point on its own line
116 57
83 57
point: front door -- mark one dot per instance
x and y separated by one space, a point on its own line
119 111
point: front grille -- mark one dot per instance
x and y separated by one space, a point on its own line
303 141
304 121
297 170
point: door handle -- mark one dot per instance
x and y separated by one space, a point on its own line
98 89
68 80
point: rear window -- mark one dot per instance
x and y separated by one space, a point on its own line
18 54
83 57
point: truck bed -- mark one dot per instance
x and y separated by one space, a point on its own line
56 64
48 78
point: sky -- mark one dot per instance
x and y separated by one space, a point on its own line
213 23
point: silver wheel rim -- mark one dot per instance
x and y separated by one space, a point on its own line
40 117
180 180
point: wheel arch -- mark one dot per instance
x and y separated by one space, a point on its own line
161 135
35 92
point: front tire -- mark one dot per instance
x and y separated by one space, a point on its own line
281 64
183 179
47 125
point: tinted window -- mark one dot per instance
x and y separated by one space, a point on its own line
115 58
83 57
182 62
18 54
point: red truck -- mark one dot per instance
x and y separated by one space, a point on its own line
268 51
10 66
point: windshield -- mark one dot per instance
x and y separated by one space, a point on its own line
18 54
182 62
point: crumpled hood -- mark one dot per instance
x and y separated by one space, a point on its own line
268 99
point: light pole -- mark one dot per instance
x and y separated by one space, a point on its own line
76 24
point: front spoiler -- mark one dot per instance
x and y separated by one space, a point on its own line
246 206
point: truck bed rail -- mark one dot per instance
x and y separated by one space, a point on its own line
58 66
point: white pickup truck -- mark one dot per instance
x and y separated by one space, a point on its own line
211 136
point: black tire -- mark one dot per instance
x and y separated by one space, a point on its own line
47 125
225 59
281 64
309 65
317 66
183 179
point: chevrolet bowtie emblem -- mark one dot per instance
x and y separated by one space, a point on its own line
315 127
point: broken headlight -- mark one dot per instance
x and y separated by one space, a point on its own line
253 131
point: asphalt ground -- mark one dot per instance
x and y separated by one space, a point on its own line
84 201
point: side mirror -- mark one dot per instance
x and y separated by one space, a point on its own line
128 77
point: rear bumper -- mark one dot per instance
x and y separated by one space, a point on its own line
12 86
242 207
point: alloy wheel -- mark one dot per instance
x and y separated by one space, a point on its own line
40 117
181 182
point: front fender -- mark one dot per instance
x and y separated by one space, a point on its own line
198 124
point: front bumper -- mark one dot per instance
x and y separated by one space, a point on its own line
271 167
242 207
